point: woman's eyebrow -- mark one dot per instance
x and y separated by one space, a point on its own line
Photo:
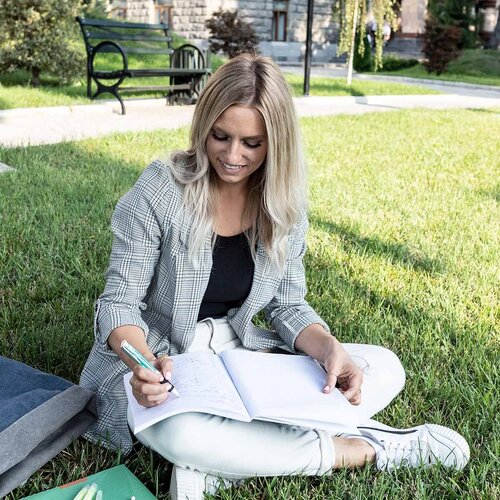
251 138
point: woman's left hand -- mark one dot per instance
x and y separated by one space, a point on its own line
342 370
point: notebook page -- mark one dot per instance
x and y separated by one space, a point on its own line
287 388
204 386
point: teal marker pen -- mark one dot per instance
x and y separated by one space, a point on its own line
134 354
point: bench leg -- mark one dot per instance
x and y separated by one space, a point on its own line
101 89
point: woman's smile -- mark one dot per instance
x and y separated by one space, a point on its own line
237 144
234 168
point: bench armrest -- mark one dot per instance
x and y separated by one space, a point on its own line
110 47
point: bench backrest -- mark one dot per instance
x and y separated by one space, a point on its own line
133 38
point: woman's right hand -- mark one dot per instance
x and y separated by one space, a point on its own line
146 386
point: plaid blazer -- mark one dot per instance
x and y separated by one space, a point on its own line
152 284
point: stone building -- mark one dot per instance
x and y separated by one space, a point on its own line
412 24
281 24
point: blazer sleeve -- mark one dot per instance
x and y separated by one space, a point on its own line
138 228
288 312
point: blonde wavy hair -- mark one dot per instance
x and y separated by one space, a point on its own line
277 190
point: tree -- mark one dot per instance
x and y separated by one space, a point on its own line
351 15
457 13
230 34
441 44
41 36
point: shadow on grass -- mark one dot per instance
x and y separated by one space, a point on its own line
55 248
493 193
48 83
352 240
491 111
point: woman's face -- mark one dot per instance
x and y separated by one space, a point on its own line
237 144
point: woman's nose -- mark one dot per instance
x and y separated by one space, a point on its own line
234 153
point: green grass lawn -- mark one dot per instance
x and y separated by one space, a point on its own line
473 66
339 87
14 92
403 252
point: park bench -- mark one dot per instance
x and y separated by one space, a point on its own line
109 45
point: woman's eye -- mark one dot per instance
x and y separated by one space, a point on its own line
254 145
219 137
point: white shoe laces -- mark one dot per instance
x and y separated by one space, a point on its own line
412 452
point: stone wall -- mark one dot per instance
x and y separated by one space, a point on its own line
141 11
257 13
189 16
322 28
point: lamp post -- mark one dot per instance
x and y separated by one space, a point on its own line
307 61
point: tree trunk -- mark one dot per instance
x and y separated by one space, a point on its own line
494 40
35 77
353 42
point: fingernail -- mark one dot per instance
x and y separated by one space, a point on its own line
168 375
326 388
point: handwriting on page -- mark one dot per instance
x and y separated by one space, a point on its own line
202 375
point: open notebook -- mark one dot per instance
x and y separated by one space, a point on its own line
246 385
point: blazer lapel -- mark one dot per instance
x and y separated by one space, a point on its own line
190 285
266 275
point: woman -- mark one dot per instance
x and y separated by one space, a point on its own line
202 243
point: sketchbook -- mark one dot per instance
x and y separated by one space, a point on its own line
246 385
116 483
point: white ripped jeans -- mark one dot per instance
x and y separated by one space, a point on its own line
238 450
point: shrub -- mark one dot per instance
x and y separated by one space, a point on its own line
229 34
441 45
41 36
362 62
391 63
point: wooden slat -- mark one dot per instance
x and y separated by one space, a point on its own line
107 75
145 50
134 50
183 86
106 35
165 72
117 24
111 75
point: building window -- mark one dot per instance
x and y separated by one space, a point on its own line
280 11
164 11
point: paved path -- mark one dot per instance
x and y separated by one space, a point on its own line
33 126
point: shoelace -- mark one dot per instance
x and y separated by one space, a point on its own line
411 452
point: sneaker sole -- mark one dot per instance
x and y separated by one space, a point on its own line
458 440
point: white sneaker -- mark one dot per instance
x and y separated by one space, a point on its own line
424 445
188 484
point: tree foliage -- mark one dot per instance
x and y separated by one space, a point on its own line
457 13
41 36
441 44
351 14
362 61
230 34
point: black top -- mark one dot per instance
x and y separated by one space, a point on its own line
231 276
